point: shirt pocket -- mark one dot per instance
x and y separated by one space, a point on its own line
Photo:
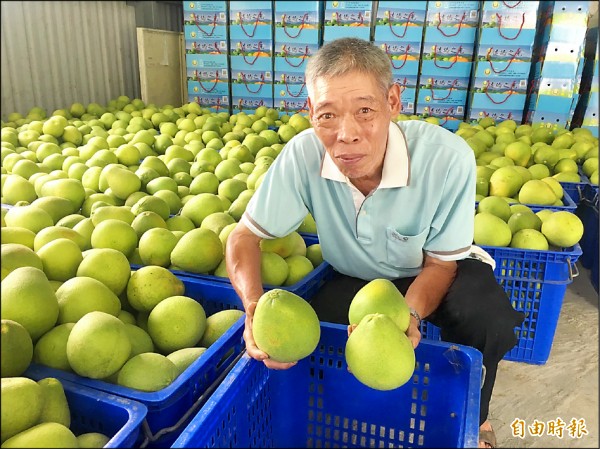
405 251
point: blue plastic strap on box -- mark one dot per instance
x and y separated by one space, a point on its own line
309 405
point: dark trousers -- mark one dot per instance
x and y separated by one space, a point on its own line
475 312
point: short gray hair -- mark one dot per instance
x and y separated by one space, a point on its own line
342 56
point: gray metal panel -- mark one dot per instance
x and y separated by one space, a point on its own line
159 15
55 53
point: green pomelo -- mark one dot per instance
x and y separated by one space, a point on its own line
201 206
314 254
529 239
285 326
152 203
29 299
217 324
495 205
108 266
17 349
48 434
299 268
274 269
524 220
198 251
60 258
281 245
145 221
217 221
555 186
140 340
156 245
125 315
147 372
26 400
56 207
80 295
56 407
98 345
149 285
491 230
537 192
505 181
179 223
308 225
92 440
16 188
115 234
380 296
15 255
51 348
176 322
71 189
52 233
183 358
238 206
29 217
563 229
379 354
122 213
21 236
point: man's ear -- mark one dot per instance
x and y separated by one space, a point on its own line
310 109
394 97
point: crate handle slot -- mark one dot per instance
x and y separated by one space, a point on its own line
149 437
391 25
572 266
304 18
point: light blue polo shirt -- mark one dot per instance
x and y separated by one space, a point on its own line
424 202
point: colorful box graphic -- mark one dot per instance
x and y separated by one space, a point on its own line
215 103
291 98
209 6
251 20
249 103
497 105
347 19
200 88
400 21
198 33
453 21
404 54
284 74
207 61
298 21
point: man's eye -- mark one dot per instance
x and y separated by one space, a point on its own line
365 110
326 116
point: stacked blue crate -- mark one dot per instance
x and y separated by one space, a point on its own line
399 32
251 44
207 67
590 116
447 60
347 19
504 53
297 38
558 64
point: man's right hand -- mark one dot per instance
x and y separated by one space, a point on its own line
251 347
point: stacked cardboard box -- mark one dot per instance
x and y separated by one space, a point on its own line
207 67
399 32
297 38
447 60
251 48
558 63
503 64
347 19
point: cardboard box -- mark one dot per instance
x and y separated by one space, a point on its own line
347 19
400 21
213 60
404 54
251 20
298 22
215 103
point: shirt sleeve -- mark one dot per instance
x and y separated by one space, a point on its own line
277 208
452 227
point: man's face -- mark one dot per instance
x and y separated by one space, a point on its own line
351 116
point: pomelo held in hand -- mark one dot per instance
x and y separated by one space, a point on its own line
380 296
379 354
285 326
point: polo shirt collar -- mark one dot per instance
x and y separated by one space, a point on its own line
395 163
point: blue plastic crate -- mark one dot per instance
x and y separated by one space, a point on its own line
535 282
170 409
588 213
569 204
305 288
118 418
576 190
319 403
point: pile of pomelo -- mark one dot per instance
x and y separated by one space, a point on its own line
39 415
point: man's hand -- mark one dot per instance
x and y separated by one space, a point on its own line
251 347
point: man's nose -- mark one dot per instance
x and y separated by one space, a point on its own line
349 129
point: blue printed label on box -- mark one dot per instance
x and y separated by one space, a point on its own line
288 76
252 49
216 103
402 21
457 14
205 6
504 53
510 19
290 91
443 82
297 22
441 97
250 76
404 81
196 32
251 12
499 85
383 35
296 53
206 47
249 103
218 61
498 115
513 7
293 106
209 75
207 87
347 19
205 20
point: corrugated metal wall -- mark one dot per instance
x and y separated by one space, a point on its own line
55 53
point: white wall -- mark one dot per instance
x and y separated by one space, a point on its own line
55 53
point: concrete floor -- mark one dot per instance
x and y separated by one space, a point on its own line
565 387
